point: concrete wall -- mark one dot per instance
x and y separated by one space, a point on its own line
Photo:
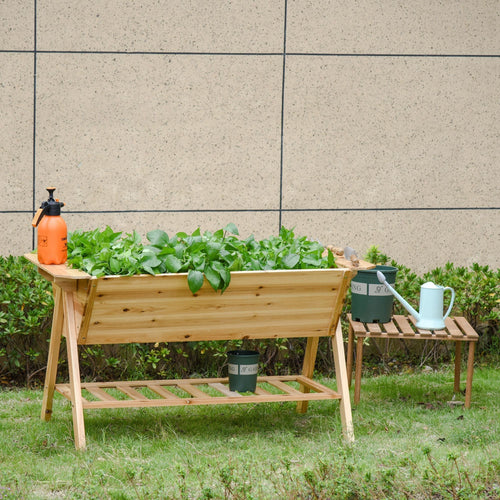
357 122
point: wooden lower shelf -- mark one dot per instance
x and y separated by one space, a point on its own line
207 391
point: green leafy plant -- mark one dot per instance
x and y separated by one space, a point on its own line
106 252
210 256
25 318
375 256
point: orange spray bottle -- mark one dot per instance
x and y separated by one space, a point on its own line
52 231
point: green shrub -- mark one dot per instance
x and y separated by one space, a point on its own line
26 306
477 298
477 291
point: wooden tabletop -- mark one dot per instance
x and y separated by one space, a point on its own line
457 328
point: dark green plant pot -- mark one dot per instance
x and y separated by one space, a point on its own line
242 370
371 300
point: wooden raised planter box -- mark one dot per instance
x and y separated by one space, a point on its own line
161 308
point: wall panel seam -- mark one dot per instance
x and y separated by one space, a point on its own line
268 210
282 117
250 54
33 204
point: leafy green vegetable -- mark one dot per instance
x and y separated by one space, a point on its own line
195 280
210 256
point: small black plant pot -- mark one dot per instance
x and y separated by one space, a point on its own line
242 370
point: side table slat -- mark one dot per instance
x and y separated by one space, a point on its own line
467 328
374 327
420 331
441 334
404 325
454 330
357 326
391 329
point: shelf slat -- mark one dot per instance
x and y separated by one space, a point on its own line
197 396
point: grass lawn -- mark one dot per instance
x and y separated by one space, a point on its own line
410 443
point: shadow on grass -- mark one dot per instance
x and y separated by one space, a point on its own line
218 423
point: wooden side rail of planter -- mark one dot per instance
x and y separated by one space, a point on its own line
161 308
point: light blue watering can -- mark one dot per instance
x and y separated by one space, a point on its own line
430 316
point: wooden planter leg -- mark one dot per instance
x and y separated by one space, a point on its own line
458 364
342 384
470 371
74 371
53 358
308 368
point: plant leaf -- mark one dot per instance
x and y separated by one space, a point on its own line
290 261
213 277
148 269
150 259
311 261
213 249
231 228
114 265
331 259
158 238
172 263
195 280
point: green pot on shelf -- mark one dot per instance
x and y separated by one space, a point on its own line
242 370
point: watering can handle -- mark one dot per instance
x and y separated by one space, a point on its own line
451 302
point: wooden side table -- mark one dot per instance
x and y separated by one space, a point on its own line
457 330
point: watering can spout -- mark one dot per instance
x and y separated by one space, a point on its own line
405 304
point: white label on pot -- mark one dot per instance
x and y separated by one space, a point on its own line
378 290
359 288
249 369
244 369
